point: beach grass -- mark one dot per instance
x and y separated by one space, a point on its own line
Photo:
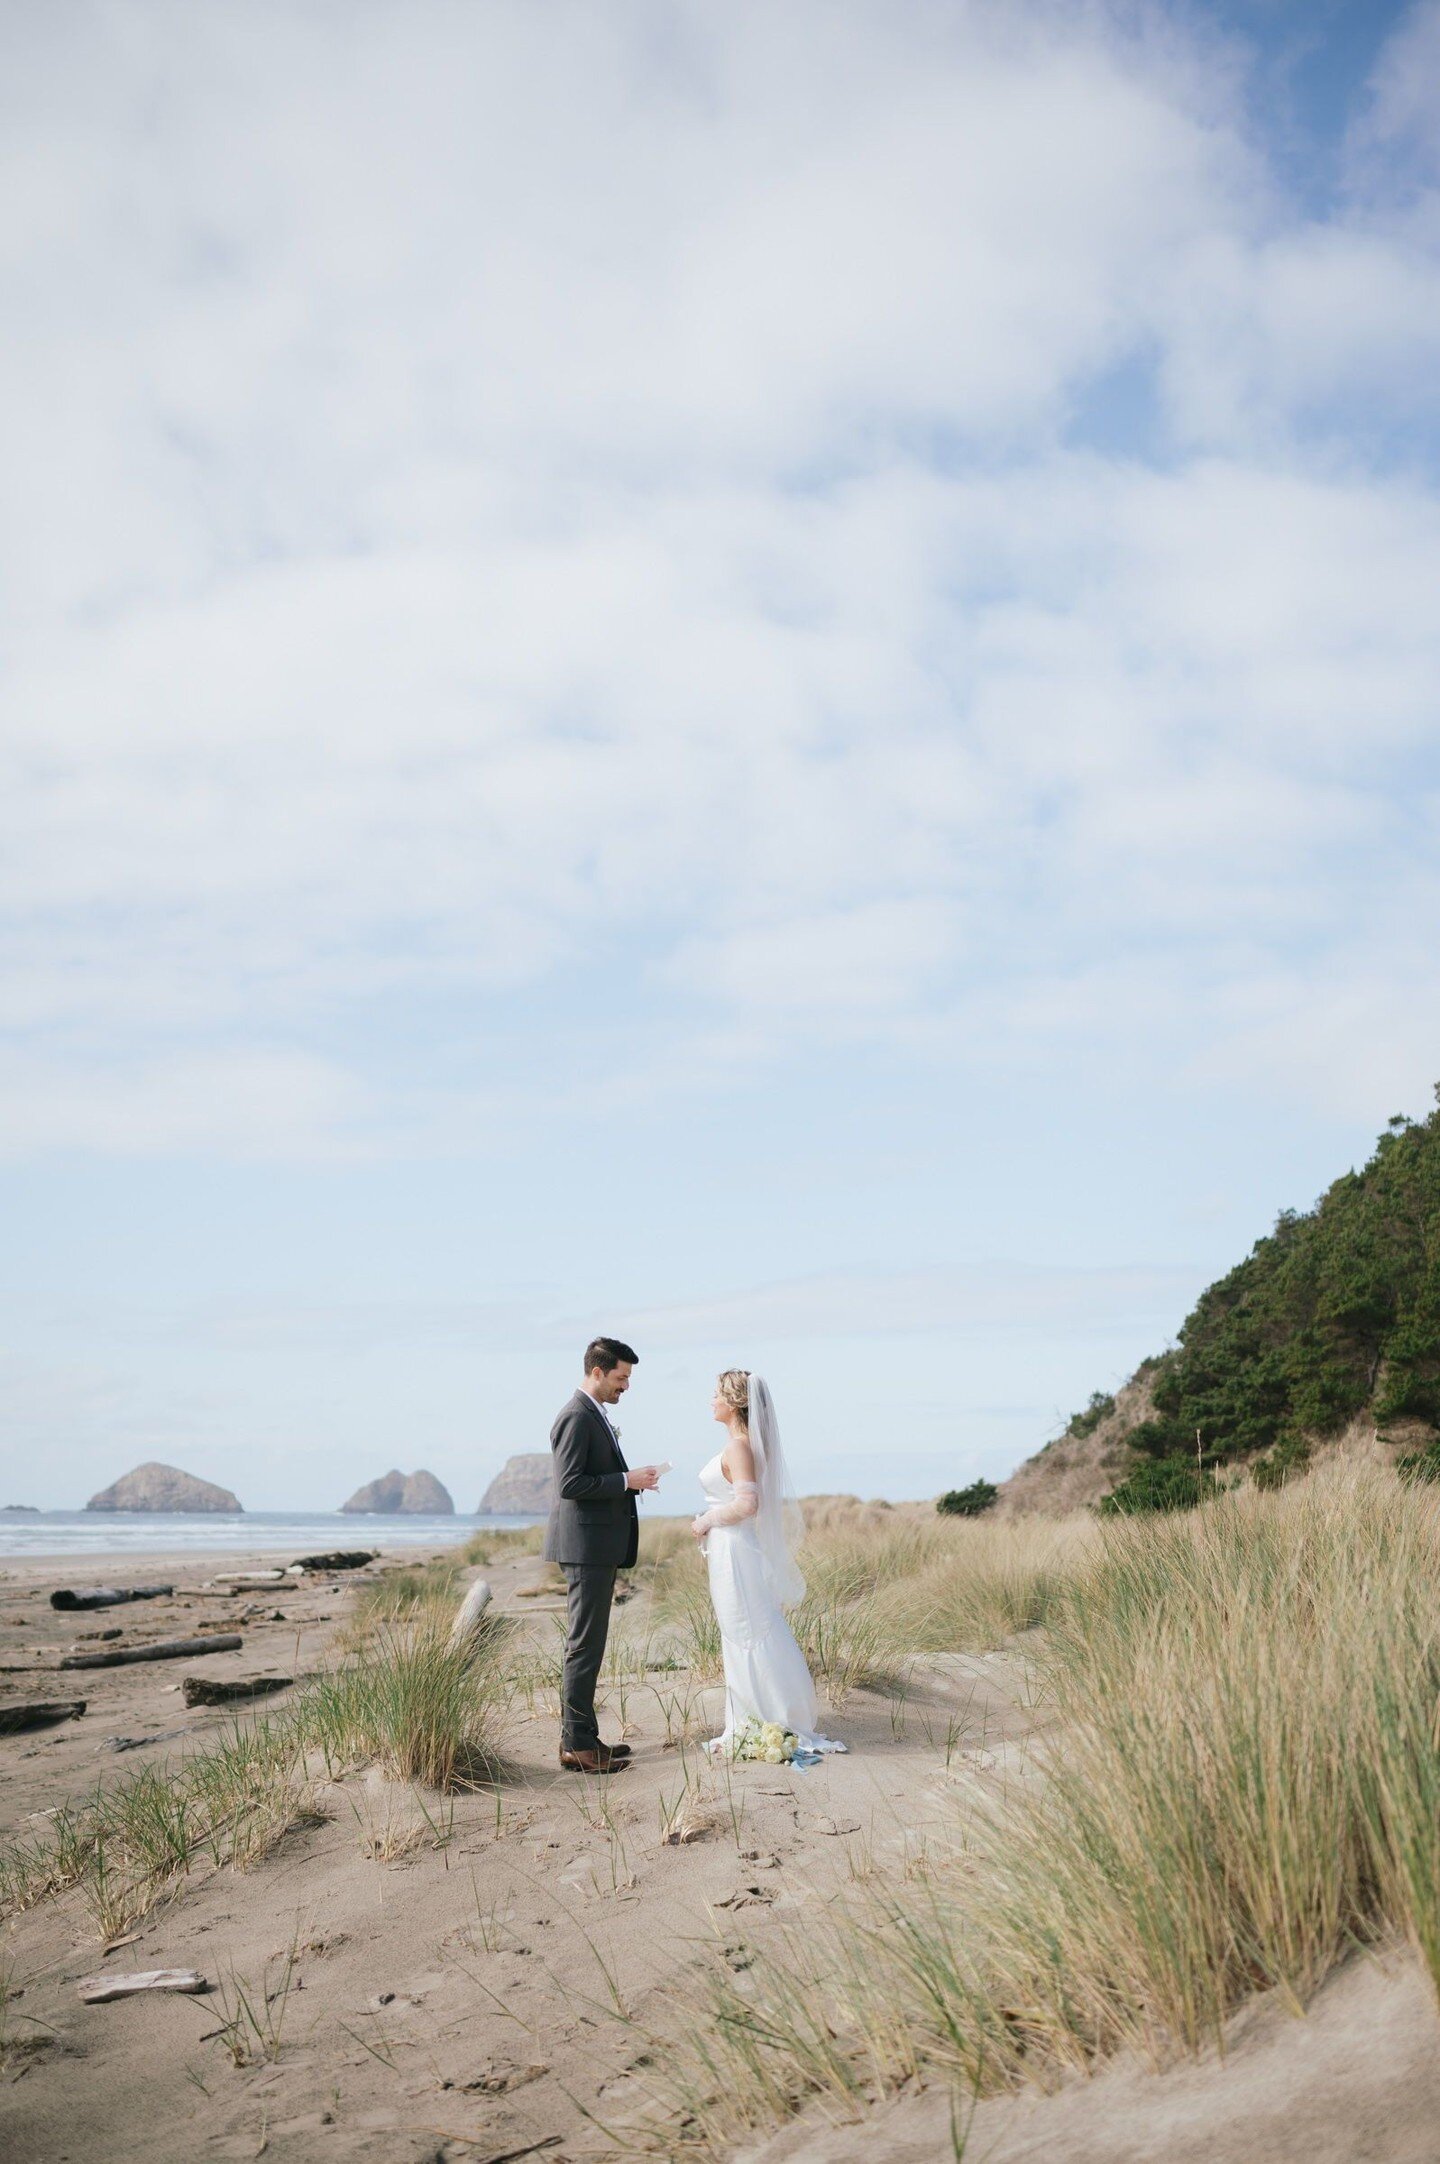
882 1586
404 1593
410 1702
129 1841
417 1705
408 1591
498 1544
1237 1783
1243 1786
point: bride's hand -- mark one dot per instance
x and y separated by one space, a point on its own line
699 1528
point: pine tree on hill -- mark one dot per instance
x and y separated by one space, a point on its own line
1335 1313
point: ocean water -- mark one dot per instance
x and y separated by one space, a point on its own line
301 1532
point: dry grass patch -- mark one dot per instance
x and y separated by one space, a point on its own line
500 1544
1249 1785
972 1584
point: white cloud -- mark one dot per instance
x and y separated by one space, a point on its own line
1404 95
996 1297
499 487
243 1102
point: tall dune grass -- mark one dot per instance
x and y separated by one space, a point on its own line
949 1585
416 1705
881 1586
1248 1785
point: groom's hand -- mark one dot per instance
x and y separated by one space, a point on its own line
642 1476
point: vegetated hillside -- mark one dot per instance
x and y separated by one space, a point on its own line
1332 1318
1090 1458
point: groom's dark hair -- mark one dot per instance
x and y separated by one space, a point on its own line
608 1352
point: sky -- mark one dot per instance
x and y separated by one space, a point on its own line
760 676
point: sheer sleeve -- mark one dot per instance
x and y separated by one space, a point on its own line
745 1504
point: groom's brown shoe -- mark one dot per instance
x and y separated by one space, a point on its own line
601 1760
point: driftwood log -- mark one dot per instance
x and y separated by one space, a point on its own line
203 1691
471 1609
42 1713
106 1596
342 1559
249 1580
173 1649
95 1990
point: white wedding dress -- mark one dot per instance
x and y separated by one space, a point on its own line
766 1678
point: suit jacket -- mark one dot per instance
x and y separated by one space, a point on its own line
593 1518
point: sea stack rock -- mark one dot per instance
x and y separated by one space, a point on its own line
401 1494
162 1487
521 1488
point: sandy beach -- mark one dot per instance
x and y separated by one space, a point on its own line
476 1976
462 1993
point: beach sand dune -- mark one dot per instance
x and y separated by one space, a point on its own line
472 1978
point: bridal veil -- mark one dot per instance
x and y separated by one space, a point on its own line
779 1526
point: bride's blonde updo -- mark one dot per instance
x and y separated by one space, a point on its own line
733 1389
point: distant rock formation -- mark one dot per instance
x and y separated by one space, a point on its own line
401 1494
19 1510
162 1487
521 1488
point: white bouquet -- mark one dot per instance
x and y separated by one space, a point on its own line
766 1741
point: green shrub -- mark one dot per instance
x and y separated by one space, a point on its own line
1159 1484
1290 1457
968 1502
1420 1465
1100 1407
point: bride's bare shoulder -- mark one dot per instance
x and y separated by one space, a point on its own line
738 1460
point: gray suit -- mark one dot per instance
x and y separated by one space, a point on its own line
594 1530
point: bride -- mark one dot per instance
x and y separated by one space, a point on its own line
748 1537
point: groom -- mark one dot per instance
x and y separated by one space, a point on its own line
594 1530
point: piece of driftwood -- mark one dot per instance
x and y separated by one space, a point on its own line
249 1581
95 1990
205 1691
105 1596
471 1609
342 1559
173 1649
43 1713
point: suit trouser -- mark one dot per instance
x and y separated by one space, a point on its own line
592 1587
